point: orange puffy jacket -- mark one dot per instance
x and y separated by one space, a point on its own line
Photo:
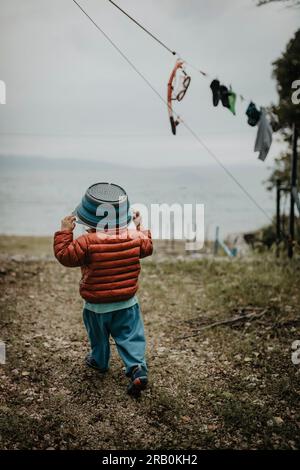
110 263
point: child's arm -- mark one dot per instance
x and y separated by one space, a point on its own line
69 252
146 244
145 236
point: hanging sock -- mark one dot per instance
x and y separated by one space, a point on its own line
253 114
224 94
228 98
221 92
264 137
232 101
215 88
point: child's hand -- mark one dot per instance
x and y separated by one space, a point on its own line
137 219
68 223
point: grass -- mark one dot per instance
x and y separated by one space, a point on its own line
228 387
26 245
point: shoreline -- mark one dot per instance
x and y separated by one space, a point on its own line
40 247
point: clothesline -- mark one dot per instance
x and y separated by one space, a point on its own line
172 51
211 77
184 123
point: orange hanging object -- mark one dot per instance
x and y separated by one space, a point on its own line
178 84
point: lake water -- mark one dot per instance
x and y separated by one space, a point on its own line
35 193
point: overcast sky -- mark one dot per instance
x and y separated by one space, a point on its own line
69 93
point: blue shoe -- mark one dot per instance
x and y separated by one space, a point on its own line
93 364
139 381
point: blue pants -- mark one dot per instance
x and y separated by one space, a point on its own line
127 329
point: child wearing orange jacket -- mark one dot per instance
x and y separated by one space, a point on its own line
109 256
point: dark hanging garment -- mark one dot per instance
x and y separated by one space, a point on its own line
228 98
221 92
215 88
232 101
224 95
253 114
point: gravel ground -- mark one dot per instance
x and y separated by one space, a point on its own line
232 386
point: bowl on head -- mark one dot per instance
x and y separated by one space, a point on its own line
104 206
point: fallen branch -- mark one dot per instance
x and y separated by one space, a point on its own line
230 321
240 310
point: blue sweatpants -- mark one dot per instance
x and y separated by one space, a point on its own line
127 329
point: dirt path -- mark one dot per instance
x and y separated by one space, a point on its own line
230 387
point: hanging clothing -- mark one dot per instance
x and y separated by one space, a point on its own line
253 114
232 101
264 137
215 88
224 96
221 92
228 98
